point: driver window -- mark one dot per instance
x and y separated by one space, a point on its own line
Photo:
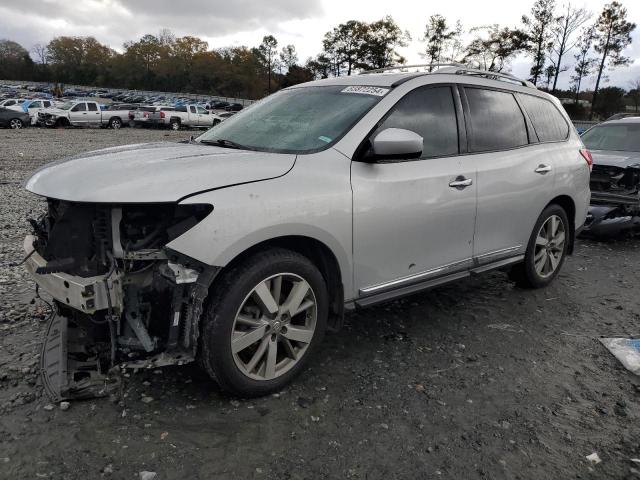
203 110
430 112
81 107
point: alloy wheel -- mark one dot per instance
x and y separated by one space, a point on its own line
15 124
115 124
549 246
274 326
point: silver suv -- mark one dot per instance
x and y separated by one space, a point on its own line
242 247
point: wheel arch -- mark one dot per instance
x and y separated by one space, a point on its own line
319 254
569 206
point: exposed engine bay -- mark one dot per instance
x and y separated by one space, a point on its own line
615 199
120 295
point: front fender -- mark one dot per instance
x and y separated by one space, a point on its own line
313 200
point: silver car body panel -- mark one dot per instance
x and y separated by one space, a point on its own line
151 173
384 223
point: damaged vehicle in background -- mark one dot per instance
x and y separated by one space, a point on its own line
615 179
241 247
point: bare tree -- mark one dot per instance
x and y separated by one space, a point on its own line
41 52
538 29
584 63
565 27
612 35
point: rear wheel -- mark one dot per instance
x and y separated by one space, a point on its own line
16 124
175 125
546 250
115 123
264 321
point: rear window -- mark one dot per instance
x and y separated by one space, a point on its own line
617 137
496 120
547 121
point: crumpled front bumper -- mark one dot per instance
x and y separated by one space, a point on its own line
87 295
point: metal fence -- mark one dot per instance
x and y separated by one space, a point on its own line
196 97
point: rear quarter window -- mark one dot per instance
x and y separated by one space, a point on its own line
548 122
497 123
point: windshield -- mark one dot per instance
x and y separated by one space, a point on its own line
298 120
622 137
67 105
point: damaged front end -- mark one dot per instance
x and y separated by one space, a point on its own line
121 296
615 200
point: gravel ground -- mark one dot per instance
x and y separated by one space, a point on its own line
473 380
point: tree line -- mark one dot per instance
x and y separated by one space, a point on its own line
549 35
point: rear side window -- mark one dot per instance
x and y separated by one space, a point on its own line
93 107
547 120
80 107
429 112
497 122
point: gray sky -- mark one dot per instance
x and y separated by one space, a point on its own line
244 22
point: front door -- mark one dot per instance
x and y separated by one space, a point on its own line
413 220
78 114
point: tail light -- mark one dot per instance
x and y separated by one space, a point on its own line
161 114
145 114
586 154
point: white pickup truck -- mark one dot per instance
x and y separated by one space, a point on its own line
191 116
81 113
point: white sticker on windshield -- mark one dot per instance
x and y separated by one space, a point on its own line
324 139
377 91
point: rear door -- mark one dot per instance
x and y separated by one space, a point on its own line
515 178
94 116
413 220
192 116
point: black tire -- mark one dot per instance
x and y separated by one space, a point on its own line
229 293
16 124
175 124
525 274
115 123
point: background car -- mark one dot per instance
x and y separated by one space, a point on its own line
13 119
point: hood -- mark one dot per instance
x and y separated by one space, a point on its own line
155 172
615 158
53 111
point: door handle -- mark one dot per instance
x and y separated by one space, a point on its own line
542 169
461 182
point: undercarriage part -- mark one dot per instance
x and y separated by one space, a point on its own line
70 365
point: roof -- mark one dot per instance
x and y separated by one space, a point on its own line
391 77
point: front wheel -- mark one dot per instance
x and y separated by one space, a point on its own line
265 319
16 124
546 250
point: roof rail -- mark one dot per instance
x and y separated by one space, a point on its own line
493 76
418 65
457 69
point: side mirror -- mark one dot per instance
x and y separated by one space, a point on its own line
396 143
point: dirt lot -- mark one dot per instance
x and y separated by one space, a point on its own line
473 380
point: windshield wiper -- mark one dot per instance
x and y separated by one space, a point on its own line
222 142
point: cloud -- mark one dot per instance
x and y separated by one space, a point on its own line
116 21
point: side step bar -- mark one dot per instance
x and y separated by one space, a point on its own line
434 282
